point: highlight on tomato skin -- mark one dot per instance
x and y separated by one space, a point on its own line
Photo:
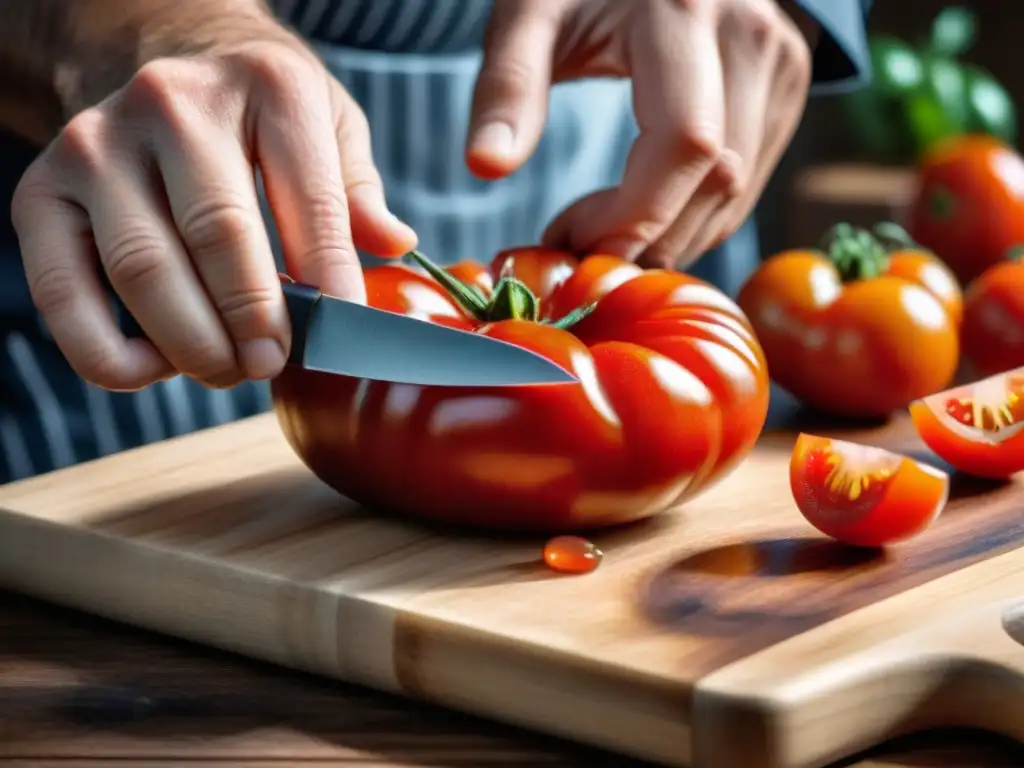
673 393
992 333
978 428
864 495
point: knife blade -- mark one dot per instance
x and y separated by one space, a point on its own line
335 336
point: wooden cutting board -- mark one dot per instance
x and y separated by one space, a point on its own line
725 635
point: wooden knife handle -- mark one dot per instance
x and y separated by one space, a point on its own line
299 298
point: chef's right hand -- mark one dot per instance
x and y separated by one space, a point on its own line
156 184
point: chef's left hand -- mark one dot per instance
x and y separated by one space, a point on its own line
719 87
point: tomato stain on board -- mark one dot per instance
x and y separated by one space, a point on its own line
572 555
748 595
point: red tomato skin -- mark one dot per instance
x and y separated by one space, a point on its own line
968 206
992 334
899 508
995 460
673 395
862 349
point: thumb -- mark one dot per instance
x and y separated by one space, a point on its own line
511 95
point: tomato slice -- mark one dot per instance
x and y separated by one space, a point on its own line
978 427
863 495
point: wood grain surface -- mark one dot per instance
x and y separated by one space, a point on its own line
224 538
78 691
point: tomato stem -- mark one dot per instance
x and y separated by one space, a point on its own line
511 299
855 252
893 236
469 299
1016 253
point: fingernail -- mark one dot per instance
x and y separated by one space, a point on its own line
261 358
495 139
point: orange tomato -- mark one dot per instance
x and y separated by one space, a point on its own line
863 495
992 334
969 203
673 394
855 330
978 428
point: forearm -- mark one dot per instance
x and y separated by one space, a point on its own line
58 57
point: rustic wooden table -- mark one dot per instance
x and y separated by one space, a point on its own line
78 691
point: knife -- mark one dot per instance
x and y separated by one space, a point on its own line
342 337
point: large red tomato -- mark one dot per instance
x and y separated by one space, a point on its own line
992 334
969 203
978 428
854 330
673 393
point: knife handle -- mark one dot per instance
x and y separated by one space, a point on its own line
299 298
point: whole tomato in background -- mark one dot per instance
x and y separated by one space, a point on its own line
855 329
673 393
969 203
992 335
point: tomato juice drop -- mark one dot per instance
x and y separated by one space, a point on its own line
572 554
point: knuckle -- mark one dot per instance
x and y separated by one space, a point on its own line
53 288
697 141
690 5
327 211
507 75
156 84
278 70
33 188
215 372
250 310
101 365
216 225
135 257
82 143
329 258
363 177
645 231
732 176
756 24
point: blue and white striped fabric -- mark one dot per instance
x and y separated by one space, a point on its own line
411 65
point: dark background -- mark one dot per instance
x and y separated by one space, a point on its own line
822 137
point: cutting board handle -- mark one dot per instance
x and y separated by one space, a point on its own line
961 672
965 671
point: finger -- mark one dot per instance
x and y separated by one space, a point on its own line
746 50
669 251
679 107
149 268
511 93
212 194
375 228
789 82
60 262
297 150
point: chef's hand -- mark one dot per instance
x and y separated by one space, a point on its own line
719 87
156 184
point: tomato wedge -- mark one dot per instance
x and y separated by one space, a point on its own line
863 495
978 427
